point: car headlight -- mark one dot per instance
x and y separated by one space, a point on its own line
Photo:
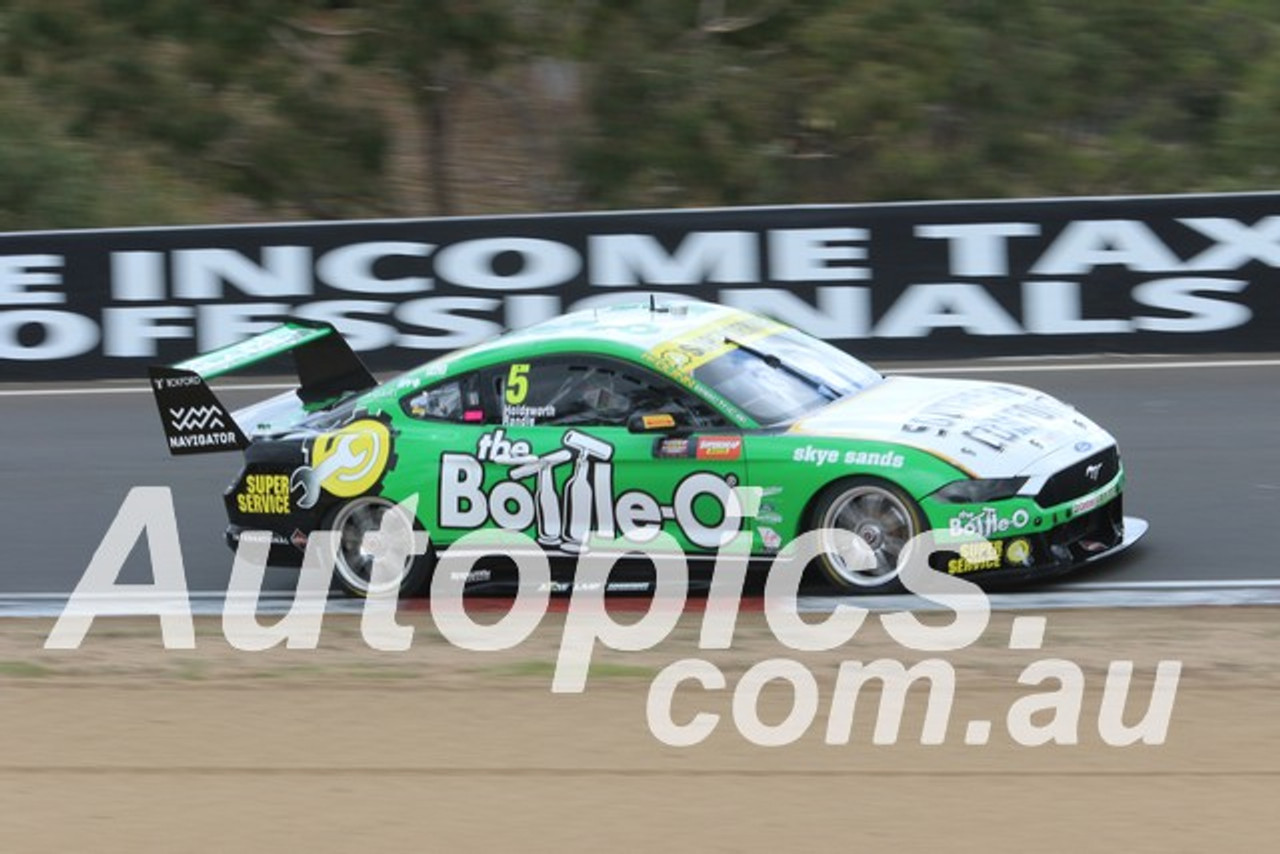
978 491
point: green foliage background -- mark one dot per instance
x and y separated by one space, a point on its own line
132 112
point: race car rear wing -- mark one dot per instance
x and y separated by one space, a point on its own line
196 422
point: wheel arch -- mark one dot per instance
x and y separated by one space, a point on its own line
807 520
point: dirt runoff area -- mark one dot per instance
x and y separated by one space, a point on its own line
123 746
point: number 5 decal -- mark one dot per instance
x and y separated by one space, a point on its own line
517 383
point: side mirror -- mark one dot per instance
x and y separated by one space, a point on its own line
656 422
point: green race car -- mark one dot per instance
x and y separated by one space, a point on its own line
601 428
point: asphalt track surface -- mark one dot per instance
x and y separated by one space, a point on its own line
1200 439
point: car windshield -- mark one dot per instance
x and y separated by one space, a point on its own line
784 376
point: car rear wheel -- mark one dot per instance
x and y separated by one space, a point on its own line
879 514
366 525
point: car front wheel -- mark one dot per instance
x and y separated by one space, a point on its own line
881 516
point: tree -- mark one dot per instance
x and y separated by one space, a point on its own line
43 179
751 101
432 48
154 111
221 92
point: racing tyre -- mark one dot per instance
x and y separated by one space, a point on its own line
358 524
881 515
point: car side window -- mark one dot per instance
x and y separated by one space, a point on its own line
598 392
457 400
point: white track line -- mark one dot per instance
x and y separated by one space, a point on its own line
1065 587
133 389
1091 366
70 389
1131 594
1206 584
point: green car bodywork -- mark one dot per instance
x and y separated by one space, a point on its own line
691 419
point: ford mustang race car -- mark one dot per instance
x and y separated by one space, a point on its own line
608 426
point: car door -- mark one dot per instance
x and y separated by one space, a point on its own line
587 449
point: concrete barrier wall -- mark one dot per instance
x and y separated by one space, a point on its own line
1167 274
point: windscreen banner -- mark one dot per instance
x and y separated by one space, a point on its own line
942 280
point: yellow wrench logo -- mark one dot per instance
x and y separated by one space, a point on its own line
344 463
